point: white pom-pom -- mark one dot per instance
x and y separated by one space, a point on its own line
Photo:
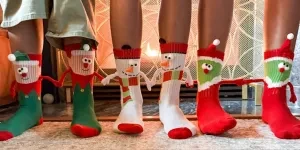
216 42
290 36
86 47
48 98
11 57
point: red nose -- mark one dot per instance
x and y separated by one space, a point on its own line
281 70
24 75
206 71
85 65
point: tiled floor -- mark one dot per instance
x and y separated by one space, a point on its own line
150 108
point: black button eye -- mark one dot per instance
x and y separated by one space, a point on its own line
131 65
135 64
89 61
169 57
287 65
166 56
206 64
284 64
21 68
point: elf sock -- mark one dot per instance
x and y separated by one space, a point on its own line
81 61
278 66
173 59
212 119
28 86
130 120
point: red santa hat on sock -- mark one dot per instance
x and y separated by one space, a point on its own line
283 53
173 48
127 53
23 58
211 52
81 48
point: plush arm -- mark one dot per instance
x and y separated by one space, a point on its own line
56 83
62 78
149 85
189 78
98 76
155 75
293 98
107 79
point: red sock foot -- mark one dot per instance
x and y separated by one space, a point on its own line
5 135
212 119
180 133
284 125
278 65
84 131
130 128
41 121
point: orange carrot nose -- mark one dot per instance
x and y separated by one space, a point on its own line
165 63
129 69
281 70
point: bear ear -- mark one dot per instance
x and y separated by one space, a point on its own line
126 47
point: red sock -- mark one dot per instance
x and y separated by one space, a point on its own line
212 119
278 65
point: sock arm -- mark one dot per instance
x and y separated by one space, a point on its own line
56 83
155 75
189 79
293 98
149 84
62 78
107 79
98 76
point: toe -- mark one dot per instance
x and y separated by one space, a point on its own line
130 128
5 135
84 131
180 133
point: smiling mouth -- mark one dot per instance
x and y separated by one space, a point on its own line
85 69
25 78
171 68
130 75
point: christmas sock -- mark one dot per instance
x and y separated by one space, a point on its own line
173 59
130 120
278 65
81 61
28 86
212 119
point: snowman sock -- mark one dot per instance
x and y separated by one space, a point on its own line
278 65
175 123
212 119
130 119
28 86
81 60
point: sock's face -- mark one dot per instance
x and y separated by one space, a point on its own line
172 61
27 71
208 70
278 70
82 62
127 68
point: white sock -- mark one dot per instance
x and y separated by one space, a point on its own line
170 114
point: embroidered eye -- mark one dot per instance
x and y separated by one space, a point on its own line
85 60
209 67
89 61
286 67
281 65
204 65
135 64
25 70
20 70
